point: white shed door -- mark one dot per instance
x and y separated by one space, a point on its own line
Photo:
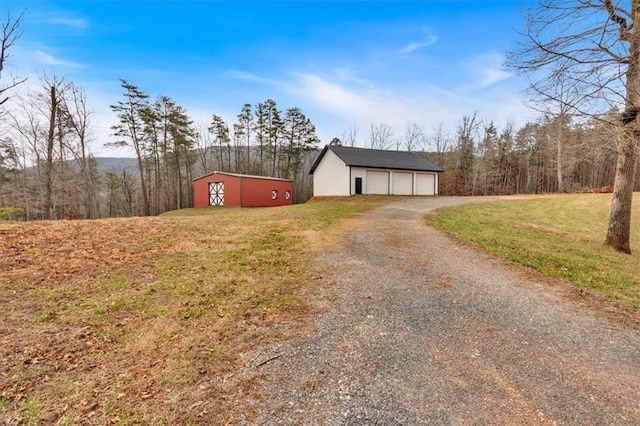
377 182
425 184
216 193
402 183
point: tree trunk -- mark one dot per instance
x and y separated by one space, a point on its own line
619 229
48 184
618 232
248 130
559 135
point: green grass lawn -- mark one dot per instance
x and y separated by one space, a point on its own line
560 237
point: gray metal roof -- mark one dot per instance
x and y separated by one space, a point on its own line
379 159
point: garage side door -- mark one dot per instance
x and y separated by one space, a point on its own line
377 182
402 183
425 184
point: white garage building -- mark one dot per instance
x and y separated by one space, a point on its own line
343 171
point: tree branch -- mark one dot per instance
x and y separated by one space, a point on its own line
625 30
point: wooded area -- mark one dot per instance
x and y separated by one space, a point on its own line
48 170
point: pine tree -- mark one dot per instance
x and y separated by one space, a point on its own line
130 127
246 125
220 130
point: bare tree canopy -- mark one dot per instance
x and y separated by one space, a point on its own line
585 54
10 34
380 136
350 137
578 49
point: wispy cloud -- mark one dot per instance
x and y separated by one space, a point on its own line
493 75
417 45
78 23
365 104
488 68
247 76
341 97
351 75
426 40
47 59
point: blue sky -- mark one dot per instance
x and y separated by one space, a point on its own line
343 63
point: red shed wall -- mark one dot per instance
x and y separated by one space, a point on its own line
200 193
231 190
243 191
257 192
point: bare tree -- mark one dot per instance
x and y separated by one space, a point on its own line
78 118
205 145
413 137
38 121
592 46
559 105
350 136
440 143
57 88
380 136
467 129
10 34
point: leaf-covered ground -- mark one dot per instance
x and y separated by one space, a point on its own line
143 320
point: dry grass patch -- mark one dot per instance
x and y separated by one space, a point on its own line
144 320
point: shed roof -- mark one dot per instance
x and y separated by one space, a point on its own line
242 176
379 159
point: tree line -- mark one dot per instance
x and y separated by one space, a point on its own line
47 170
551 154
554 153
170 150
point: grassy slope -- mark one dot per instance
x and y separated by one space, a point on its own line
142 320
560 237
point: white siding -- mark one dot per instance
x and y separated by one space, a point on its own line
331 177
377 182
402 183
426 184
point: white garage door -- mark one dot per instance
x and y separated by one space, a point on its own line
377 182
402 183
425 184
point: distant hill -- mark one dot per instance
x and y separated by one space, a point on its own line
116 164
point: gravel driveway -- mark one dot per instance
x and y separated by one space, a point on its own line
418 330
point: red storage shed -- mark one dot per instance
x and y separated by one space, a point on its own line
235 190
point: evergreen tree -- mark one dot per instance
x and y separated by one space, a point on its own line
130 127
245 126
300 138
220 130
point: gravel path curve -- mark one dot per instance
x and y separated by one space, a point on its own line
419 331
